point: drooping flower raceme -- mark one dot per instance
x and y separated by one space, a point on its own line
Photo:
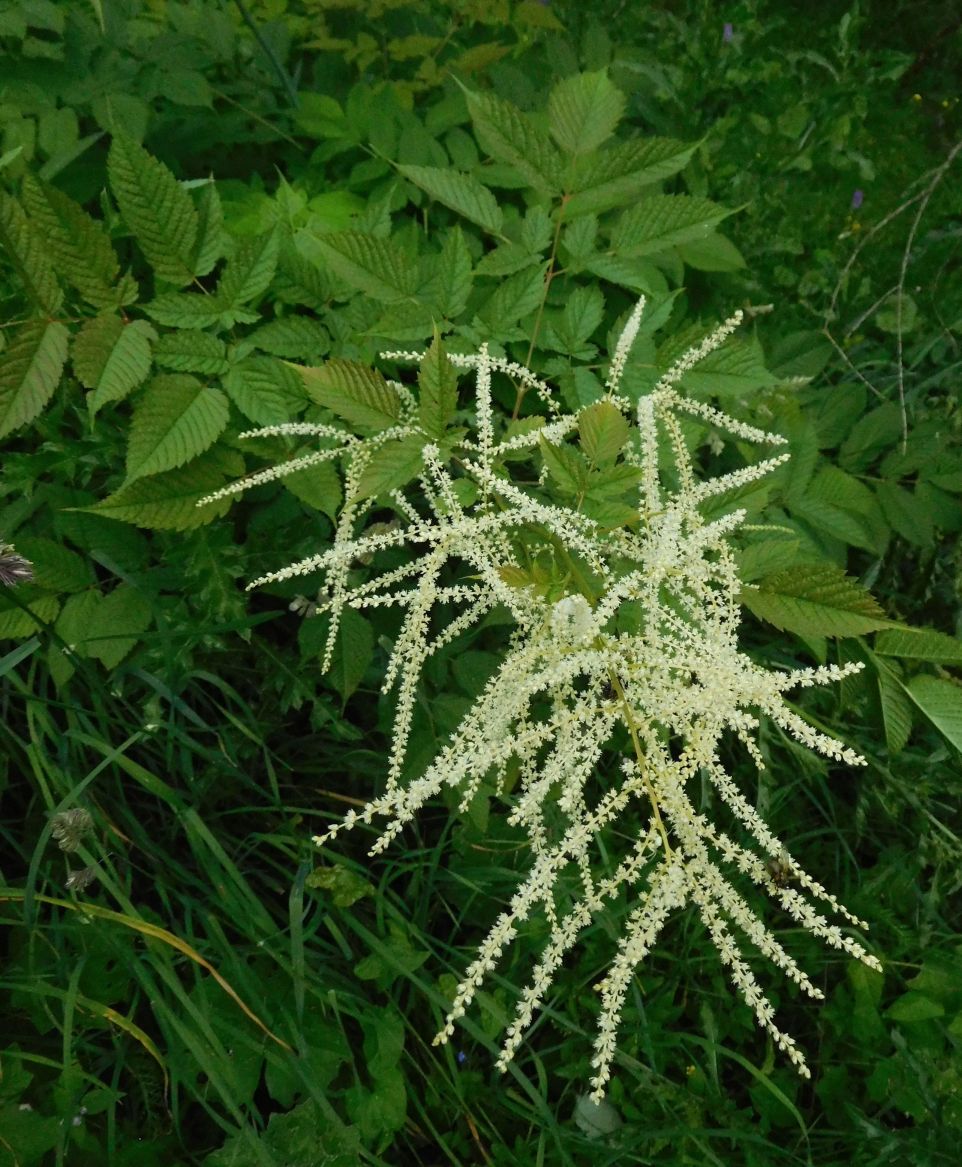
622 676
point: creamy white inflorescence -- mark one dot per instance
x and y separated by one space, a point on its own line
674 678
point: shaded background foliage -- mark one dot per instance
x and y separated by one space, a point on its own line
192 721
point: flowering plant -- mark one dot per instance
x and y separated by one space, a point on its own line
624 600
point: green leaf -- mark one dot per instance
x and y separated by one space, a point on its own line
513 299
941 702
297 337
657 222
187 350
319 486
448 289
249 271
895 704
581 315
438 383
372 265
156 208
192 310
816 600
715 252
506 134
566 466
265 390
29 256
111 358
869 436
176 419
15 622
392 466
116 624
355 392
168 501
55 568
920 644
209 247
346 886
907 515
914 1007
30 371
353 653
615 176
583 111
604 431
461 192
79 247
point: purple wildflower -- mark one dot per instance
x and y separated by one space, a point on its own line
462 1057
728 33
857 197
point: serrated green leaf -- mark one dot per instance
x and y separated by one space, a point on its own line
111 357
715 252
116 624
249 271
29 256
355 392
353 652
168 502
209 247
869 436
438 382
604 431
392 466
614 177
187 310
506 134
920 644
583 111
176 419
817 600
187 350
824 518
372 265
55 568
566 466
907 516
299 338
156 208
265 390
30 371
461 192
319 486
895 704
513 299
657 222
581 315
448 288
79 247
15 622
941 702
298 281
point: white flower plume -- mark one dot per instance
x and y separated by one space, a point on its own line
634 654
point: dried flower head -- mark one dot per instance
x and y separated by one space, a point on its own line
14 569
634 638
80 879
70 826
